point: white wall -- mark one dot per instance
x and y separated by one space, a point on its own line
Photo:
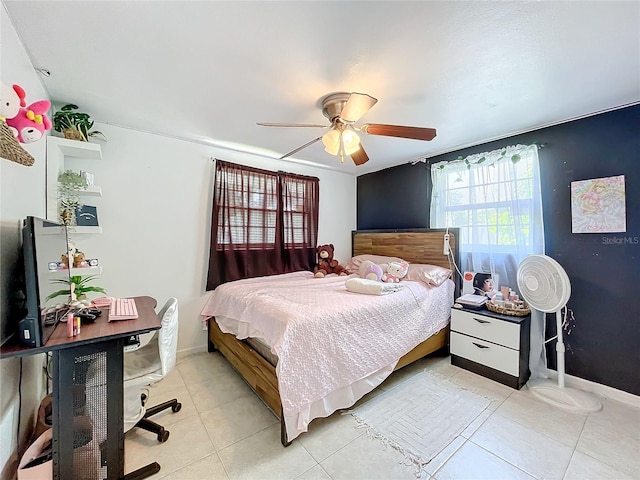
155 213
21 194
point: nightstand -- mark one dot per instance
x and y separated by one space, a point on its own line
492 345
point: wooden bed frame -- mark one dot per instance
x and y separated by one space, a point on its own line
415 246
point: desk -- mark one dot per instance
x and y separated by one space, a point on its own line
88 382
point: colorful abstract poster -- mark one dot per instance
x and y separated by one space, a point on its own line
598 205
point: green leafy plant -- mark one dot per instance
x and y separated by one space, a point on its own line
68 119
70 184
515 158
81 286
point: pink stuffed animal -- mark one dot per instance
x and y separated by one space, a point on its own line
11 99
31 122
395 271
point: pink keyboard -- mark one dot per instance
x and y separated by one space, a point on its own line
123 309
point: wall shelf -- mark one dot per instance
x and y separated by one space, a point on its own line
84 271
73 229
58 151
75 148
92 191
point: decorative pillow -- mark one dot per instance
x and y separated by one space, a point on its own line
354 264
429 274
371 287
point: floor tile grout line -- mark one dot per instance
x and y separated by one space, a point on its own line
215 450
503 459
499 402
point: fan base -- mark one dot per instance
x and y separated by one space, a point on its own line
566 398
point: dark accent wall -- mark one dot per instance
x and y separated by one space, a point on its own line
393 198
603 344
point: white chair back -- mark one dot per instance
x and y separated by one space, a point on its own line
168 335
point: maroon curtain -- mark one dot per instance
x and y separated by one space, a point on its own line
263 223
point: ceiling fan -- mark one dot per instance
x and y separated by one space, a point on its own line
343 110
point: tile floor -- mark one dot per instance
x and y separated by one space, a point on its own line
225 432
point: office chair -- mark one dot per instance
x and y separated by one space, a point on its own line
148 365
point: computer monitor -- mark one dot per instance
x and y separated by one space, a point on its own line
43 244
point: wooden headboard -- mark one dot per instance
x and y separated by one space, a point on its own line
421 245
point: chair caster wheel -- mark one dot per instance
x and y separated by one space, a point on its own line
163 436
176 407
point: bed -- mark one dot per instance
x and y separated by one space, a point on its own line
282 354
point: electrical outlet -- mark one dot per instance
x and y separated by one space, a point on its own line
445 248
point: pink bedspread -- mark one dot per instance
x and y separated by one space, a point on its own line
326 337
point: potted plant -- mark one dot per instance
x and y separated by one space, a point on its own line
80 284
70 184
74 125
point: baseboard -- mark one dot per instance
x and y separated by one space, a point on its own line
597 388
187 352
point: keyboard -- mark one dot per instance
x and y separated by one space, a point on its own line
123 309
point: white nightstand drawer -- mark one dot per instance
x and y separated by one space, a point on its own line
486 353
486 328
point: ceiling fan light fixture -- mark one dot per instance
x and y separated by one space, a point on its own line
350 142
343 110
331 142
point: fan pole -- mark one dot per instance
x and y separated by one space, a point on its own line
557 394
560 349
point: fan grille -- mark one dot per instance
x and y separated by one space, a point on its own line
543 283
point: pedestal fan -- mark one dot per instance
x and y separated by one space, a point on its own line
545 286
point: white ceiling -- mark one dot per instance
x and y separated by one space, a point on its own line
208 71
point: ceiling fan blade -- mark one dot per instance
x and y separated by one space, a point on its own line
271 124
415 133
300 148
357 105
360 156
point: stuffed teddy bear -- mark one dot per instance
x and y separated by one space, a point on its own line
11 99
326 263
395 271
30 123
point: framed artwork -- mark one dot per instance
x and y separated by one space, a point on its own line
87 216
479 283
598 205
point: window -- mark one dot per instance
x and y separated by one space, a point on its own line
300 199
247 204
494 199
263 223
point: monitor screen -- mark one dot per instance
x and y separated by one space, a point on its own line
43 245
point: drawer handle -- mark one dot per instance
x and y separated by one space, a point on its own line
480 346
480 320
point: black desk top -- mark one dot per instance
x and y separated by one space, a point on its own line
98 331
